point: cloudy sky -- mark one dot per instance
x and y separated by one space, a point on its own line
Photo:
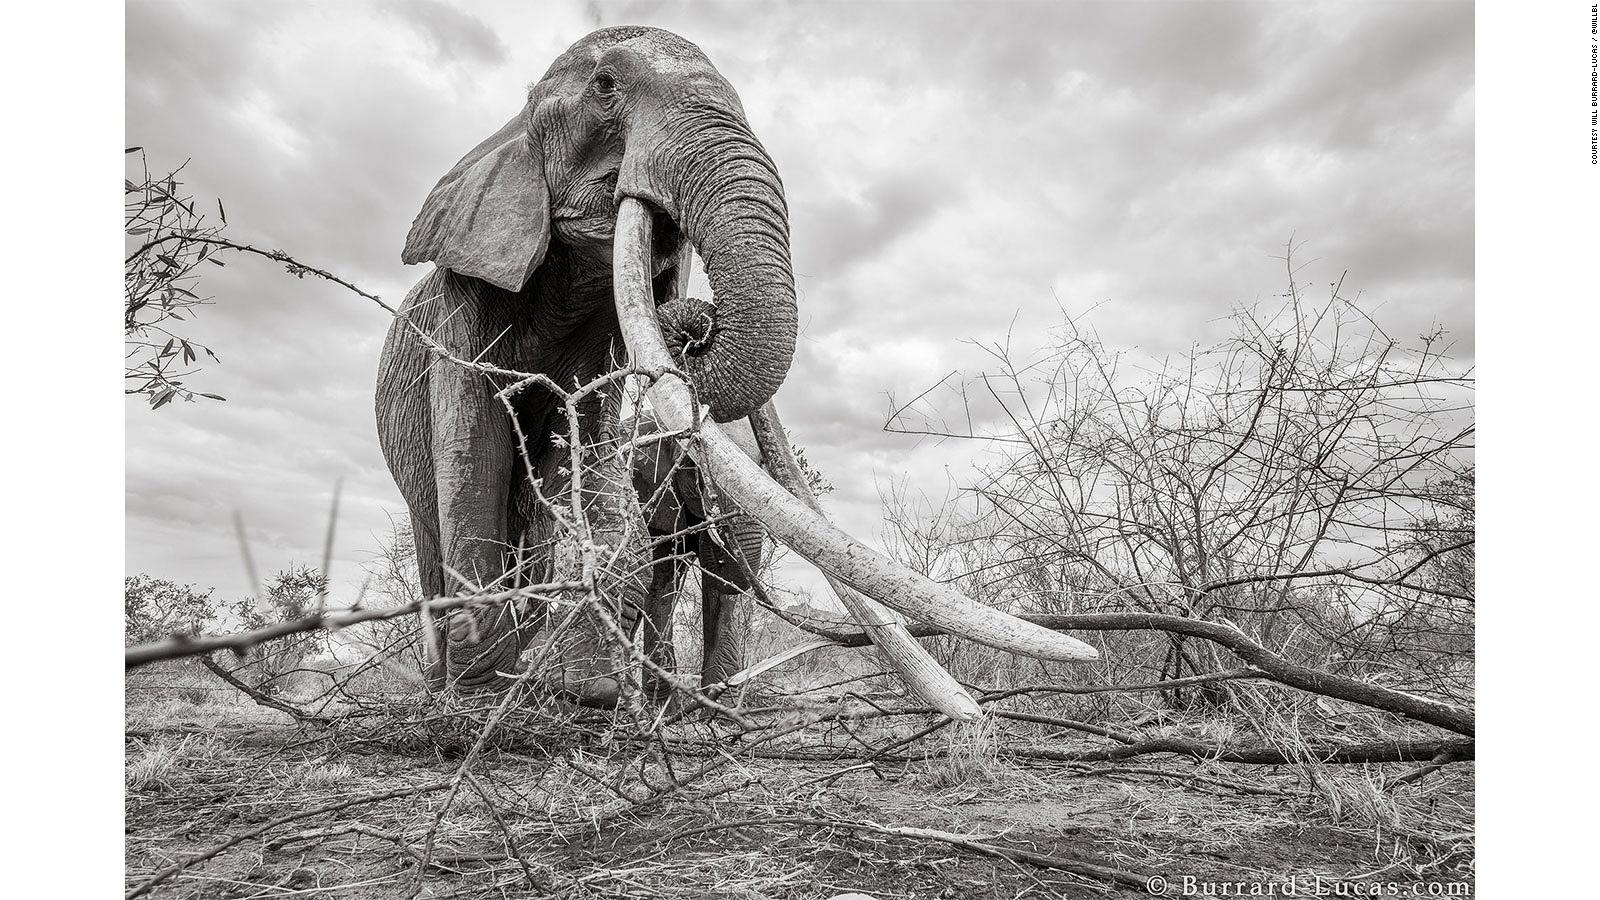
955 171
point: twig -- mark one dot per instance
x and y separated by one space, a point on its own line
1444 758
179 646
1075 866
296 712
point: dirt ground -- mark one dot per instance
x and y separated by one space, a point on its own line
202 775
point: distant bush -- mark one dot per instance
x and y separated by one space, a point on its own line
154 608
291 594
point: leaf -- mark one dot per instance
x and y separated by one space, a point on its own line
222 212
133 150
163 398
167 350
214 396
217 262
188 352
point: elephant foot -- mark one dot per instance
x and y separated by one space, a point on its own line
593 691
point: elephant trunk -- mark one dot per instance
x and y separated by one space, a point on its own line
711 175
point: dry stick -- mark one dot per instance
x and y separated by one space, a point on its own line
299 714
1072 724
1188 776
178 646
916 667
439 862
1230 675
1444 758
244 551
454 784
163 875
915 736
721 758
511 839
1371 752
1075 866
327 546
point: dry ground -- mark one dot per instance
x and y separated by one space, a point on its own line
204 768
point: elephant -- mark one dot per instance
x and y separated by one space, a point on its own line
520 232
559 244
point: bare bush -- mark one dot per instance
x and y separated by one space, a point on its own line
1307 480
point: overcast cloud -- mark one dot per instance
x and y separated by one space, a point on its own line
954 171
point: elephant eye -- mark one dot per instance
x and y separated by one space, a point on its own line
604 84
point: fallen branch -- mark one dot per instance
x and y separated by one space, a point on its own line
296 712
1375 752
1240 786
1075 866
1267 664
1072 724
1230 675
442 861
1445 758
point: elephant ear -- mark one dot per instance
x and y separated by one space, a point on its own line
489 217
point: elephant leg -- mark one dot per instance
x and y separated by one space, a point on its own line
657 620
725 602
407 404
431 579
473 463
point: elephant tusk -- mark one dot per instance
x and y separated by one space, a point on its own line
786 517
917 667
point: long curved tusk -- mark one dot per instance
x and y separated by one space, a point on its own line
916 666
786 517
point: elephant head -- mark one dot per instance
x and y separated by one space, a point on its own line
634 112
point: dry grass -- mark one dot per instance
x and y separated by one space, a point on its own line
158 765
573 810
970 756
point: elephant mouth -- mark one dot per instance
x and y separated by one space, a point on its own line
785 516
593 231
667 238
667 243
